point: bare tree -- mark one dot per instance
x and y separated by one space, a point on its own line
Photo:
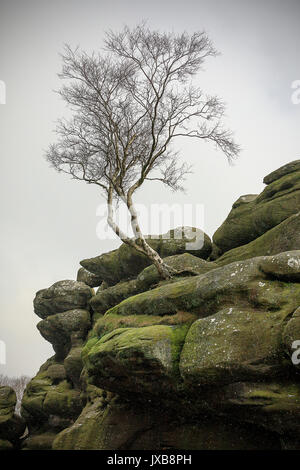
129 105
18 384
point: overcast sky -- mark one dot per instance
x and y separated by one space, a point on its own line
48 222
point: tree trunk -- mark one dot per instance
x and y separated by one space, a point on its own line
163 269
139 243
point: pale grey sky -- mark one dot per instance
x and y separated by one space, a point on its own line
48 221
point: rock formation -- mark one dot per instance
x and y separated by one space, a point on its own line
204 361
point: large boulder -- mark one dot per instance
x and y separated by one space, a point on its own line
50 403
234 344
88 278
136 360
107 298
283 237
255 216
61 296
125 262
65 329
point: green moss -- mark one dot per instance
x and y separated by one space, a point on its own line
111 296
139 359
245 223
113 321
283 237
63 400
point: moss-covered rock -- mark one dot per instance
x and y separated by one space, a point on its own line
233 345
104 426
88 278
246 222
62 296
183 266
107 298
138 360
285 266
241 283
125 262
57 373
283 237
65 329
110 322
47 396
125 425
282 171
39 442
73 365
273 405
63 400
12 426
8 401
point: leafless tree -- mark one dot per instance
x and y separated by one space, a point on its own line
18 384
129 104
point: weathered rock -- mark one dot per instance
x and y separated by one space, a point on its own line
283 237
73 365
98 427
285 266
107 298
184 265
65 329
56 372
125 262
282 171
110 322
136 359
273 405
63 400
233 345
241 282
246 222
244 200
39 442
62 296
50 404
88 278
12 426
